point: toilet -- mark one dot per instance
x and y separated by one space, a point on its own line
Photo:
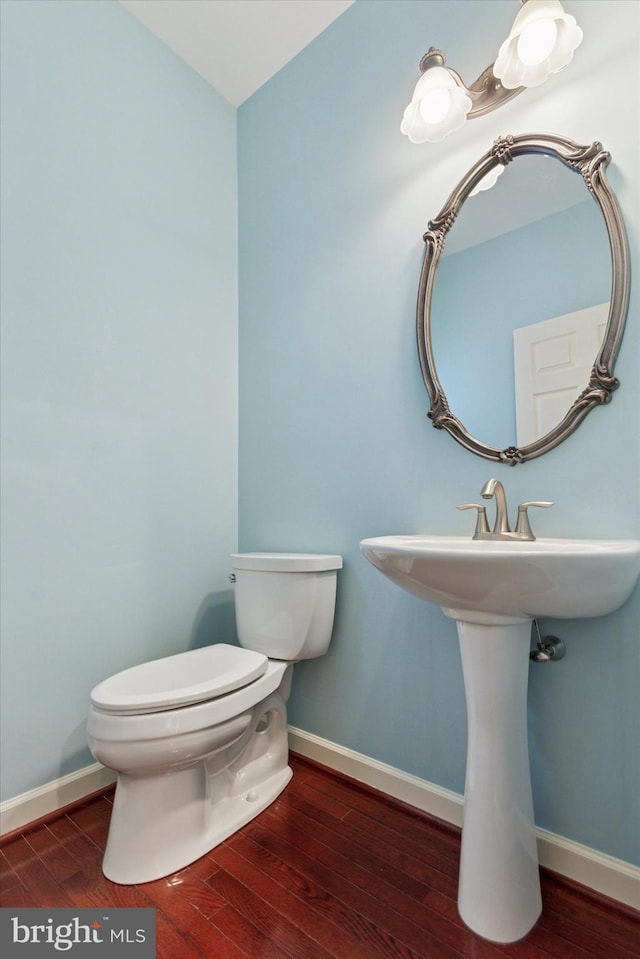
199 739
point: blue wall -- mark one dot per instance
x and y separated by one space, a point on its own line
335 444
119 353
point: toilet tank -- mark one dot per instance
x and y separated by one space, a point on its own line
285 602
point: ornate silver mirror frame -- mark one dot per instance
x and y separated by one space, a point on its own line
590 163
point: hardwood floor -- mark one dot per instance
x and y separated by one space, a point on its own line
329 870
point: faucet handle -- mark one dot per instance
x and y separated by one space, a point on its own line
482 525
523 526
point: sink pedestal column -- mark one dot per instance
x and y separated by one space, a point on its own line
499 891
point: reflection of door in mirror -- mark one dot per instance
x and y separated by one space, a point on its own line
552 363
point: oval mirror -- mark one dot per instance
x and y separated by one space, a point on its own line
522 304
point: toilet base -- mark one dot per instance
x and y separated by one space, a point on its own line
163 821
122 865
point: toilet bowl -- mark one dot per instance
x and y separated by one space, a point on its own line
199 739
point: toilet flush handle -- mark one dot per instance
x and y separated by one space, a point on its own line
232 577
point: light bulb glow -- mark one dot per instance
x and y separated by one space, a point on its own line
536 41
435 105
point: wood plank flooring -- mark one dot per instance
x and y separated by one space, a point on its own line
328 870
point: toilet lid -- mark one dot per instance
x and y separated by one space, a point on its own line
286 562
191 677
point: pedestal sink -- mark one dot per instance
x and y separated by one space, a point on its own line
493 589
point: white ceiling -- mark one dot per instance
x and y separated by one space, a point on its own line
236 45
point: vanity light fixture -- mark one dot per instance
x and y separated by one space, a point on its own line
541 42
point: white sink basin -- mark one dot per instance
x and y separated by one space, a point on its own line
563 578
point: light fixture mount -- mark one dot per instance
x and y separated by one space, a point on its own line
542 41
486 93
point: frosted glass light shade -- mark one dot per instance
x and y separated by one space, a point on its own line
438 107
529 54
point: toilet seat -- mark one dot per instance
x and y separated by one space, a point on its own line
196 676
169 723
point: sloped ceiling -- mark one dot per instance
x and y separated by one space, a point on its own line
236 45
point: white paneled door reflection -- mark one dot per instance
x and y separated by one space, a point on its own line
553 362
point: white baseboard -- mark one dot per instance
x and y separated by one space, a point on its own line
416 792
609 876
612 877
33 805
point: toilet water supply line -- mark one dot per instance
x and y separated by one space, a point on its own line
548 649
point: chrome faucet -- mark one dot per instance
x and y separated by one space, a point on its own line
493 488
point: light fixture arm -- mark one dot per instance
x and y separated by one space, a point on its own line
486 93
